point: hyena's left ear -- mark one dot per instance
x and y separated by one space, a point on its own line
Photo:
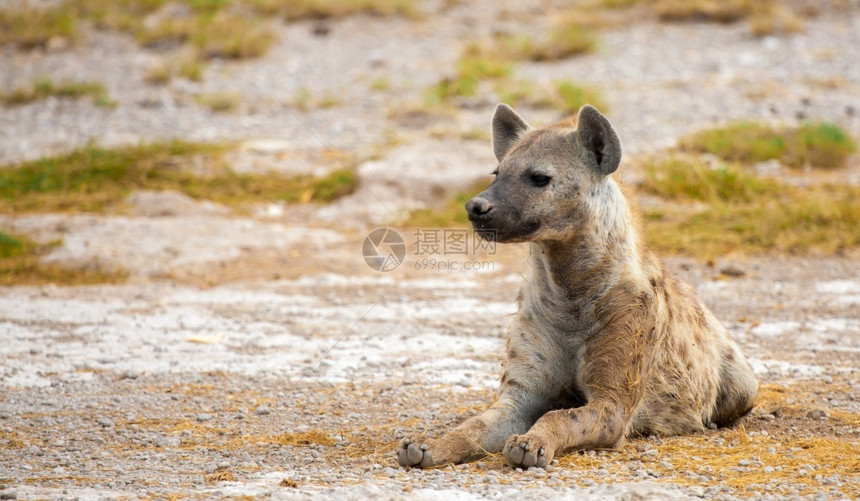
595 134
508 127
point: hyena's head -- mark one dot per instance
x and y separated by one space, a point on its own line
548 180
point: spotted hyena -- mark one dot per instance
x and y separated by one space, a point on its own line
606 342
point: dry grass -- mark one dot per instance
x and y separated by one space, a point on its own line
561 42
764 17
94 179
164 71
317 437
221 35
232 37
296 10
44 88
813 144
722 11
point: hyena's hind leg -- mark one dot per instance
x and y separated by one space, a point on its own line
738 388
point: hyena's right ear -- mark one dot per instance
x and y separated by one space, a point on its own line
508 127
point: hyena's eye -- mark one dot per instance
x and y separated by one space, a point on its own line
495 172
539 179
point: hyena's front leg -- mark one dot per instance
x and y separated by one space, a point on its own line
477 436
598 425
615 367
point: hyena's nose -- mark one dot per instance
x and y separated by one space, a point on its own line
478 208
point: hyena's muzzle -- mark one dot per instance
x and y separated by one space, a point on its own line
495 215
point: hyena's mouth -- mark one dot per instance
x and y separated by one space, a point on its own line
520 233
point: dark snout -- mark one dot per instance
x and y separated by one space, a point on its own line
479 209
498 219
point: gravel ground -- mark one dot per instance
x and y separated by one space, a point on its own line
257 355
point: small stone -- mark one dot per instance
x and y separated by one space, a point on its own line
817 414
768 469
168 441
9 495
587 482
667 465
262 411
105 423
204 417
732 271
744 462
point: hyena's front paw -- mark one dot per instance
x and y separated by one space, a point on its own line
415 454
525 451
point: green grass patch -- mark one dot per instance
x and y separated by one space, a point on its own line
94 179
30 26
677 178
475 66
10 246
573 96
565 96
44 88
20 265
723 209
221 102
816 144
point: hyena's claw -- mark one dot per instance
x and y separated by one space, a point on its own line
525 452
412 454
